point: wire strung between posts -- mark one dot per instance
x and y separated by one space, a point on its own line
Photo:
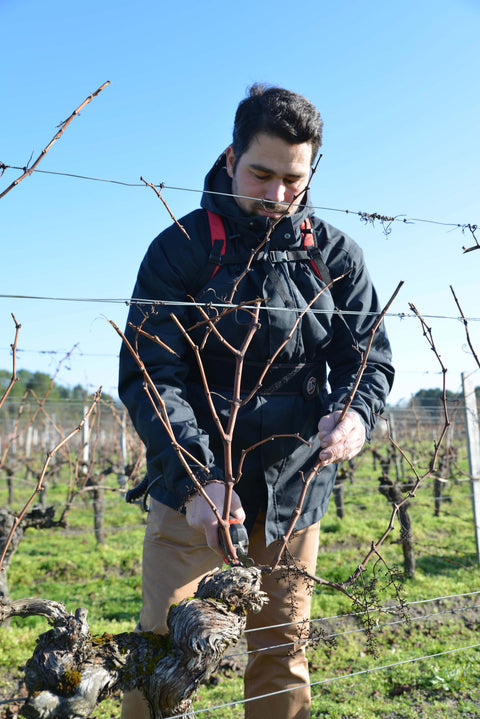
359 614
348 504
328 680
365 216
386 609
357 630
376 609
360 672
227 305
79 353
354 505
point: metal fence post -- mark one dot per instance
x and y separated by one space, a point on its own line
473 443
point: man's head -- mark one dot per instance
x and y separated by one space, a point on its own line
277 112
276 137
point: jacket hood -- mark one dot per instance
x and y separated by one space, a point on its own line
217 197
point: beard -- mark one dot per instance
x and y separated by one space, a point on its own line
269 206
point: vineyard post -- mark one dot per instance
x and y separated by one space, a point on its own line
28 442
123 448
393 434
473 443
85 442
13 446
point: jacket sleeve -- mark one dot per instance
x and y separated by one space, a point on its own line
358 309
164 276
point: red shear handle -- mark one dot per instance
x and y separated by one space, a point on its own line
239 537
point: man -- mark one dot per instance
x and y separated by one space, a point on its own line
258 189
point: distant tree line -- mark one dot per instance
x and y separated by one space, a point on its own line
431 400
40 383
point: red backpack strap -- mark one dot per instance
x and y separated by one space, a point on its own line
310 243
306 230
218 238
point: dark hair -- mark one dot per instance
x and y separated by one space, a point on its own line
276 112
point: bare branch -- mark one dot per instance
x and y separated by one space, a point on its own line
317 466
63 125
419 479
363 364
290 334
138 330
159 195
14 377
473 229
465 323
16 434
297 196
162 414
264 441
39 486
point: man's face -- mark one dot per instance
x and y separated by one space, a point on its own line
271 170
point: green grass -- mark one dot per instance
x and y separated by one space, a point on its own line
446 564
348 680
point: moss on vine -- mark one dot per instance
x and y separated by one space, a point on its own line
68 684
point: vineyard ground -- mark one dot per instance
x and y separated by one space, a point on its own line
68 566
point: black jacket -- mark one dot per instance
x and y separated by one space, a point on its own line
176 268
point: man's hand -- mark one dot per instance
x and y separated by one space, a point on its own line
200 516
340 441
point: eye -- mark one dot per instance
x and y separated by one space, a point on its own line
292 182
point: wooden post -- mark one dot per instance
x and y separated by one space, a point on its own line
473 443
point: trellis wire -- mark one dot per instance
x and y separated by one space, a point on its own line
329 679
365 216
226 305
334 635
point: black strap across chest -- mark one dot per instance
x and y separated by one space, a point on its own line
309 252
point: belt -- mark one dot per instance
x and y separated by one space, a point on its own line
281 379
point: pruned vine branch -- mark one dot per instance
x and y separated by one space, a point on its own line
236 401
160 197
41 478
14 377
63 126
473 229
16 433
419 478
307 480
465 324
363 363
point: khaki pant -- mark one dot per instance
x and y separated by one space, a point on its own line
176 557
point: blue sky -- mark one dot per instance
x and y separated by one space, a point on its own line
397 87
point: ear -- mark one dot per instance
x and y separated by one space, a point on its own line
230 160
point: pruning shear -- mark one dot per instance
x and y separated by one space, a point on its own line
239 537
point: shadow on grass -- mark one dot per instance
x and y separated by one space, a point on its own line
120 617
446 564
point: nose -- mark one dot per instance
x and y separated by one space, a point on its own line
275 191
